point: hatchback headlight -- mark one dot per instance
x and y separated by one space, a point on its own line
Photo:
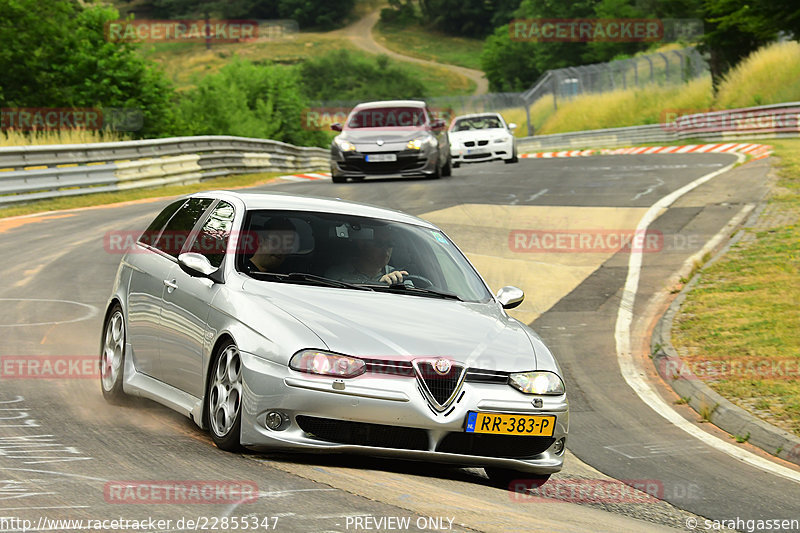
537 382
417 144
327 364
344 146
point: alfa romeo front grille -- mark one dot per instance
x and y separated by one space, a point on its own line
439 382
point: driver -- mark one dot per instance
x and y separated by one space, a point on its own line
370 262
276 240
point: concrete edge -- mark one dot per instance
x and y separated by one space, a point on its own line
707 403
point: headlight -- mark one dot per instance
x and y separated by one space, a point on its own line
537 382
344 146
417 144
502 139
327 364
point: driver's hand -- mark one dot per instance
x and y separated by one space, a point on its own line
394 278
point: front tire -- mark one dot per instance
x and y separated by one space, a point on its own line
112 356
514 157
223 409
448 168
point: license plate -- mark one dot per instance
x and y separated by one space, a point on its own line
477 151
503 424
380 158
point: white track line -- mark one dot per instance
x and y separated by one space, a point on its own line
626 360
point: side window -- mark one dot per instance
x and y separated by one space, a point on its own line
176 232
212 239
152 232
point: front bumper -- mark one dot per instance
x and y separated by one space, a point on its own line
409 163
476 154
387 416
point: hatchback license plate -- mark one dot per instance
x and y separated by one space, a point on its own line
503 424
381 158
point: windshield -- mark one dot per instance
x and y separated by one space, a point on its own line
477 123
387 117
358 251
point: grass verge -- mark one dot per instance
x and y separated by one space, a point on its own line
89 200
740 325
416 41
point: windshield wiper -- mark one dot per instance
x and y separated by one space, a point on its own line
309 278
400 287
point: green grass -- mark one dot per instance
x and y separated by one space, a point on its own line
744 310
41 206
186 63
432 45
769 75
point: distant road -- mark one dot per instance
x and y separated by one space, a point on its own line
360 34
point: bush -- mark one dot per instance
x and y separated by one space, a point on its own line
248 100
340 75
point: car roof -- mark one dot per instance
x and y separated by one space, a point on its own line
298 202
393 103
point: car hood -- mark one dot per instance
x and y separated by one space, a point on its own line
387 135
397 326
489 133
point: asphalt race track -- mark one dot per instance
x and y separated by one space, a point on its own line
63 450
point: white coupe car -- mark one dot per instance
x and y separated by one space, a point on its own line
482 137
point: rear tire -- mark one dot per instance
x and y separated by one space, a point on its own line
223 409
112 356
503 478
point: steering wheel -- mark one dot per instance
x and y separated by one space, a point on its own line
426 283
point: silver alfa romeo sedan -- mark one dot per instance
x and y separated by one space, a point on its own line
300 324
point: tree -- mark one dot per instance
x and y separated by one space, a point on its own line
735 29
53 53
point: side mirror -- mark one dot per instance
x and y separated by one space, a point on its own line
336 126
198 266
512 126
510 297
438 124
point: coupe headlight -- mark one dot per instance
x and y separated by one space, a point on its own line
417 144
502 140
344 146
327 364
537 382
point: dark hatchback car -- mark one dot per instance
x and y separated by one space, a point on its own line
390 138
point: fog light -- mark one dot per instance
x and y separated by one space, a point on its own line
558 447
274 420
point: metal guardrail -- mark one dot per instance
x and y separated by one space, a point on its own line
37 172
763 122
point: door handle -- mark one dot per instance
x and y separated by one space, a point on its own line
171 285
